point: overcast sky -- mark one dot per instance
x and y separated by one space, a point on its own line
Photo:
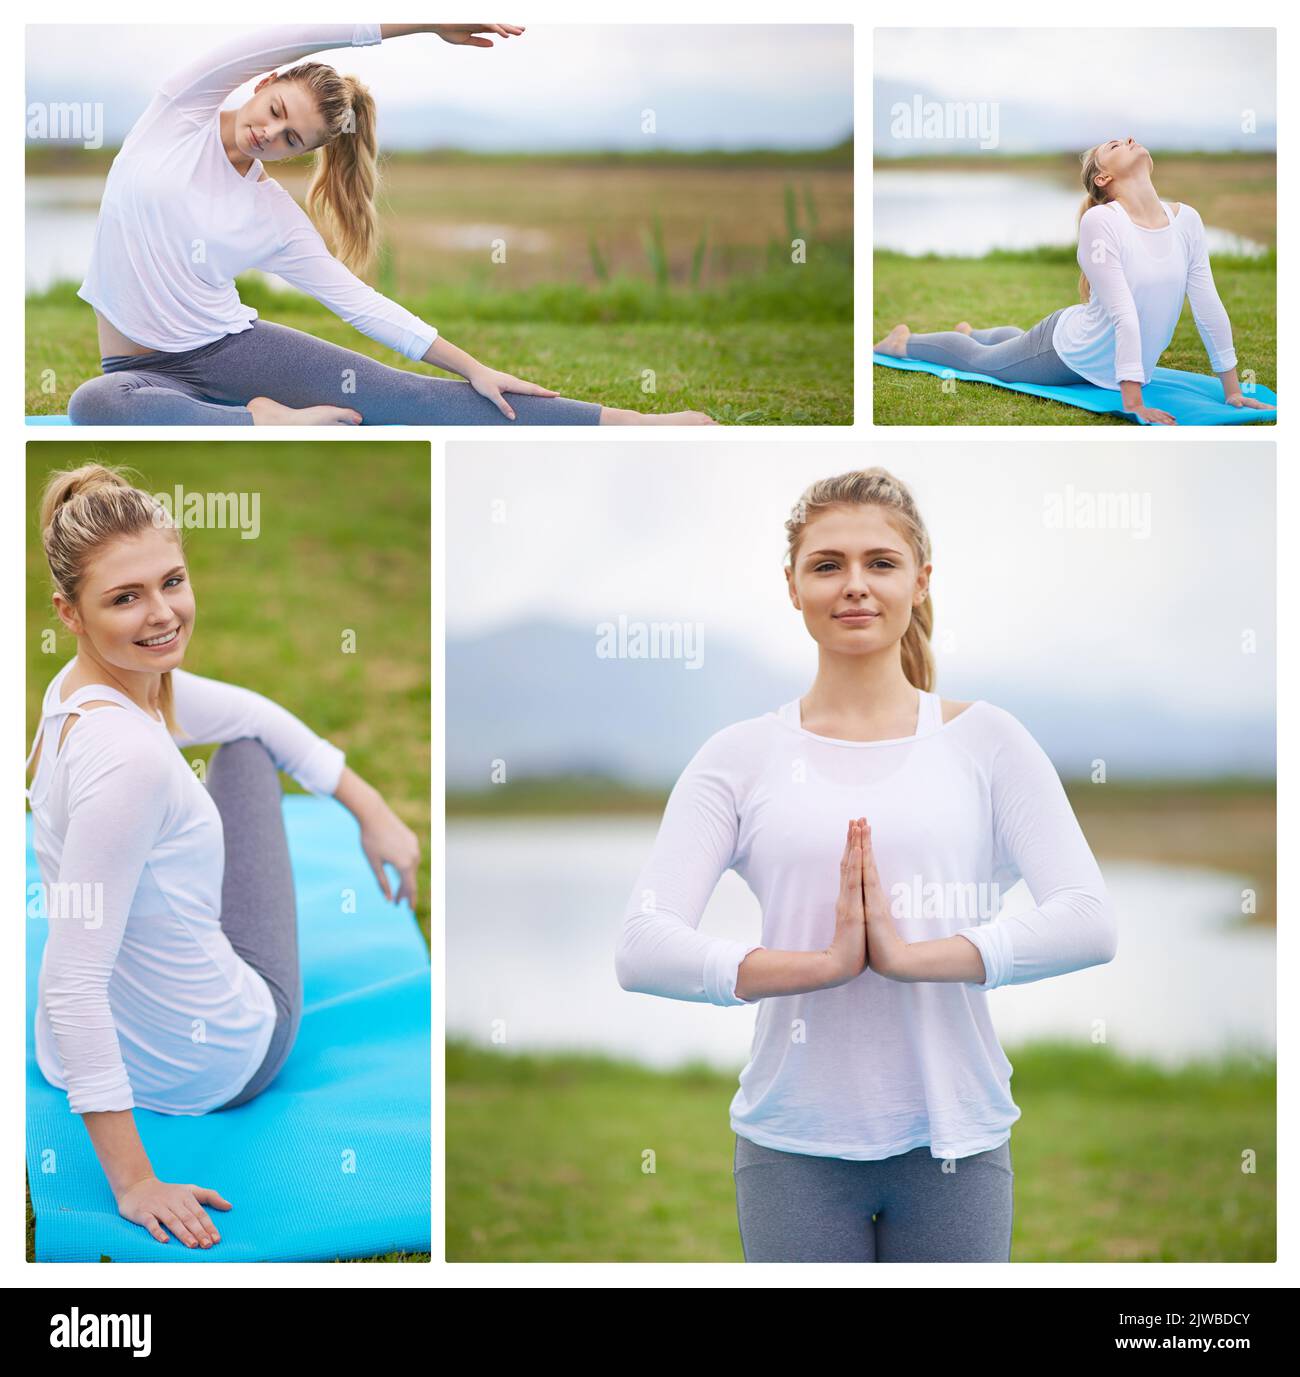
694 532
579 85
1060 87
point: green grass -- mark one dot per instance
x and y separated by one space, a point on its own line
344 545
776 349
934 293
1115 1160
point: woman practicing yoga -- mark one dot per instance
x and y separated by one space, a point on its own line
188 205
1140 257
875 822
170 976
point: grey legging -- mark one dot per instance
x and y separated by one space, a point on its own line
258 913
1005 352
797 1208
212 385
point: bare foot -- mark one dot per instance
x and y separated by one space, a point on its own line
895 342
265 412
963 327
617 416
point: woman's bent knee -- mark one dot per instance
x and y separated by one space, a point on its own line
245 760
101 401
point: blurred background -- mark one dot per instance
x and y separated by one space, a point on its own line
646 180
976 183
1118 599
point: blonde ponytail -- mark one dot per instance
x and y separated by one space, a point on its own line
345 182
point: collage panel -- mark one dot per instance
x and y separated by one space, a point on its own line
1055 248
439 225
228 950
842 740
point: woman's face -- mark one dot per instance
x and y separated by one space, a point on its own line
855 580
1118 158
136 605
279 120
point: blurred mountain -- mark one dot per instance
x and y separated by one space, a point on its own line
538 696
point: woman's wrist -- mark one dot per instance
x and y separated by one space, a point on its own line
443 354
117 1144
359 798
387 31
1131 392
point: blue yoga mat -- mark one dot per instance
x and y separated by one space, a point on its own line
1192 399
48 421
332 1159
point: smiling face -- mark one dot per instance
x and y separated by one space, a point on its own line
855 578
135 606
1120 158
279 120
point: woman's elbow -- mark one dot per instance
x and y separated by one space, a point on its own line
627 969
1104 928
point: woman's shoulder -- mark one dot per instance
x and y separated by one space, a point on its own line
952 708
736 741
985 721
1103 213
105 738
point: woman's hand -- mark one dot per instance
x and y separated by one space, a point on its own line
466 33
848 949
888 951
385 837
1236 399
1130 390
1154 417
153 1203
490 383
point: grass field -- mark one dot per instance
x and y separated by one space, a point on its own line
344 544
580 273
933 293
1115 1160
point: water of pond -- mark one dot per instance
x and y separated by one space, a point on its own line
534 908
970 213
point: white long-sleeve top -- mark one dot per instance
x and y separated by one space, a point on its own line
142 999
958 812
1138 278
177 222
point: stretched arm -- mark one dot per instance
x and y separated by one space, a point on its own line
302 258
1207 309
465 34
201 87
1099 257
210 710
1211 318
120 789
